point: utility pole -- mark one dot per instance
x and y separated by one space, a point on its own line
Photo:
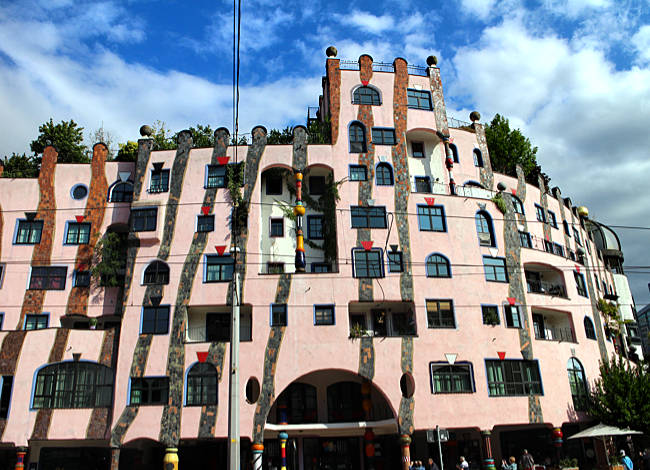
233 402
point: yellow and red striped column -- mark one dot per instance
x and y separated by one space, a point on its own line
20 458
299 211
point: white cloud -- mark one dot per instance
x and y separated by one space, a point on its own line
641 42
480 9
573 8
367 22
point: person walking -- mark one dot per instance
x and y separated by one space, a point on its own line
627 461
463 465
431 465
527 462
511 464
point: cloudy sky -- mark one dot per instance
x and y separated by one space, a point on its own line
574 75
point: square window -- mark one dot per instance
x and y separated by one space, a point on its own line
273 184
368 217
278 314
77 233
490 314
315 227
383 136
417 149
576 236
513 319
513 377
580 284
29 232
358 173
321 268
323 314
316 185
36 321
495 269
558 249
48 278
367 263
149 391
440 313
216 176
144 220
395 262
551 219
159 181
155 320
205 223
517 205
524 240
419 99
275 268
539 213
276 227
82 279
431 218
456 378
422 184
219 268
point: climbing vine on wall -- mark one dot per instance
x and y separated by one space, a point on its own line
235 182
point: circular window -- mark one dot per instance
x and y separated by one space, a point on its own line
252 390
79 191
407 385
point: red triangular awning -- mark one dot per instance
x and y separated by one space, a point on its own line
220 249
202 355
501 354
511 300
80 218
365 82
514 192
367 245
205 210
223 160
430 201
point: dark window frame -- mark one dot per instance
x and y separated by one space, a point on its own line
368 217
366 95
590 329
383 136
581 286
202 387
205 223
494 314
492 271
144 219
81 278
422 184
118 194
371 268
395 261
517 381
274 222
273 184
315 227
524 240
419 153
434 261
33 229
540 213
316 186
419 99
357 140
219 265
155 320
48 278
148 388
454 153
159 180
73 385
478 158
156 273
355 173
517 205
512 315
455 378
425 211
279 315
216 176
36 321
324 315
384 174
446 319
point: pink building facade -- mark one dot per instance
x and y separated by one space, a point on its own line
435 292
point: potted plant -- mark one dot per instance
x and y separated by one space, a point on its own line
569 463
93 323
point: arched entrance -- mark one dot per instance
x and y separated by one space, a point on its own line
328 415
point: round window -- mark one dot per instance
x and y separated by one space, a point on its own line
79 191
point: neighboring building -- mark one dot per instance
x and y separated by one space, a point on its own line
643 319
421 305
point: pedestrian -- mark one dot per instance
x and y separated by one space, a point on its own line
463 465
431 465
511 464
627 462
646 459
527 462
419 465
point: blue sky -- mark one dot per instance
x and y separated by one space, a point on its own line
574 75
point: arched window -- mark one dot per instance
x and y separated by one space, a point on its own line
484 228
366 95
438 266
121 192
454 152
344 402
384 175
73 385
578 384
201 385
478 158
357 138
590 331
156 273
518 206
300 402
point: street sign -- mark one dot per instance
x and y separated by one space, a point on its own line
432 435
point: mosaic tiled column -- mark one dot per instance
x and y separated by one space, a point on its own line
488 460
115 458
405 442
170 462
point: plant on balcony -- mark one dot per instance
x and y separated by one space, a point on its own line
609 311
109 260
320 132
499 202
568 462
357 331
490 317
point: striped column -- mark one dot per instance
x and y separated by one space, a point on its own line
449 163
170 462
258 452
283 450
488 460
299 211
20 458
405 441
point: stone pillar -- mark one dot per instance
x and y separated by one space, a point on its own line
115 458
405 441
488 460
283 450
258 451
170 462
20 457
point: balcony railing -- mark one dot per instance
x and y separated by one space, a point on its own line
199 334
555 334
347 64
546 288
457 123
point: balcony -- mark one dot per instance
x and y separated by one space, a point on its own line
545 280
546 288
212 324
551 325
382 319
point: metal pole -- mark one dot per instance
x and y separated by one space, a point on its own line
442 465
233 403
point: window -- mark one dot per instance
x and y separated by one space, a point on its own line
144 220
79 191
122 192
548 246
315 227
48 278
73 385
490 314
518 206
395 262
2 273
524 240
217 327
384 175
440 313
358 173
437 266
278 314
36 321
29 232
276 227
383 323
580 284
366 95
551 219
419 99
422 184
578 384
495 269
478 158
321 268
513 377
539 213
484 229
159 181
201 385
155 320
216 176
274 268
576 236
2 319
316 185
344 402
77 233
5 395
156 273
417 149
590 331
297 404
565 224
205 223
558 249
456 378
323 314
219 268
368 217
273 184
81 279
149 391
367 263
383 136
431 218
454 152
357 138
513 320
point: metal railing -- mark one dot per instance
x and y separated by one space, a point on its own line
555 334
546 288
347 64
457 123
417 70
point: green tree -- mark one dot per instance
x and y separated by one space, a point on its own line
277 137
110 259
509 148
620 395
128 152
202 136
19 166
67 137
162 137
